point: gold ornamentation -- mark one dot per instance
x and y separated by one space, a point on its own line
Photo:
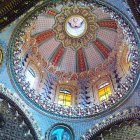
75 26
1 56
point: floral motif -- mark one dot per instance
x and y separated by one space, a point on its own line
79 20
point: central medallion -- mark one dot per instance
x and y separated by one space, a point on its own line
75 26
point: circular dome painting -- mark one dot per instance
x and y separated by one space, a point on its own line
74 59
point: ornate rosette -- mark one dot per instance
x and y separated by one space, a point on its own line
79 15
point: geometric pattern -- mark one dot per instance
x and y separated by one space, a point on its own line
124 132
12 125
14 122
43 33
123 125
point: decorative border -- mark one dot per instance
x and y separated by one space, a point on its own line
47 134
125 115
18 103
77 112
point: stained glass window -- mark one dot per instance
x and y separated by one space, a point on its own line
65 97
104 91
60 132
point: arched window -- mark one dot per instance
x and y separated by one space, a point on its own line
104 91
31 76
65 96
66 92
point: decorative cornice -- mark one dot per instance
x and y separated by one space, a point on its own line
14 99
119 117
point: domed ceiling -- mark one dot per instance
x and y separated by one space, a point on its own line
74 39
78 47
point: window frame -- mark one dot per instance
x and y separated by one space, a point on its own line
105 78
104 87
72 87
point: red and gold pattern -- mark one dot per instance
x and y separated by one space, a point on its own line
51 12
74 76
58 55
102 48
81 60
108 24
44 36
